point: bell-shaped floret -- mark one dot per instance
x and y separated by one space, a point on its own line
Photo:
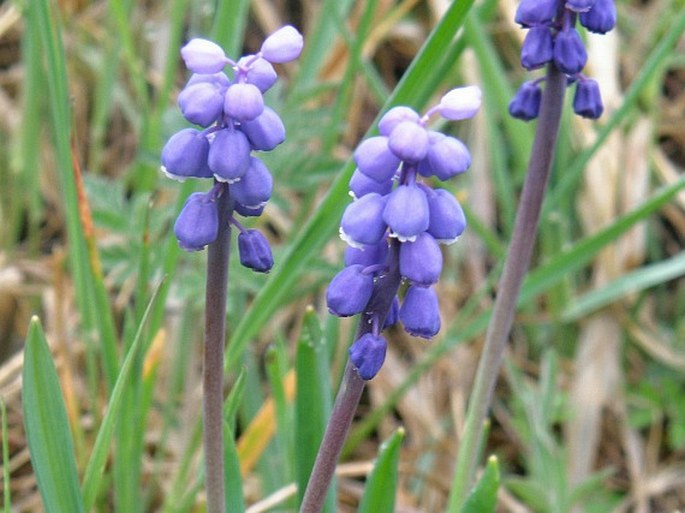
259 72
601 18
367 255
185 155
420 312
569 51
247 212
229 155
375 160
587 101
394 117
406 212
254 251
536 12
360 184
368 354
447 219
362 222
538 47
349 291
284 45
409 141
460 103
525 104
198 223
203 56
254 188
243 102
393 314
266 131
580 5
421 260
201 103
447 157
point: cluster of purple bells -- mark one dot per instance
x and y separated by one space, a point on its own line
552 37
392 199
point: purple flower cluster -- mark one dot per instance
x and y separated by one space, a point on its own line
393 204
234 123
552 37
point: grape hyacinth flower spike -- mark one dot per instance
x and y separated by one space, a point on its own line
394 228
553 42
232 125
553 38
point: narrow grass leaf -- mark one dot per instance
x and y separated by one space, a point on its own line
483 497
381 485
233 481
47 427
636 281
6 492
95 468
312 399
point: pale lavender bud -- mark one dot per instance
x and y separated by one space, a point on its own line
408 141
203 56
375 160
284 45
394 117
243 102
460 103
266 131
260 72
448 157
229 155
201 103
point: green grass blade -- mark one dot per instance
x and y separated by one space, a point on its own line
233 480
381 485
636 281
412 90
483 498
92 478
47 427
6 492
312 401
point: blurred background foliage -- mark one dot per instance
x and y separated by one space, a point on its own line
589 415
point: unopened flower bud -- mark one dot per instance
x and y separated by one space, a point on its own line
243 102
368 354
254 251
421 260
198 223
538 47
362 222
525 104
601 18
448 157
569 51
460 103
587 101
229 155
394 117
420 312
406 212
536 12
203 56
375 160
254 188
284 45
185 155
408 141
349 291
266 131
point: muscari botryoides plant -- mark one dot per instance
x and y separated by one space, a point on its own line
233 126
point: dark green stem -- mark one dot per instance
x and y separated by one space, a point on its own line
213 372
350 391
515 268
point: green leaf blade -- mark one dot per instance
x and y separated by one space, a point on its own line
47 427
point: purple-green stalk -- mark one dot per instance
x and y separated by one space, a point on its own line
213 370
351 389
515 268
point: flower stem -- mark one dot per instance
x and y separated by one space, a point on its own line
515 268
215 334
350 391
